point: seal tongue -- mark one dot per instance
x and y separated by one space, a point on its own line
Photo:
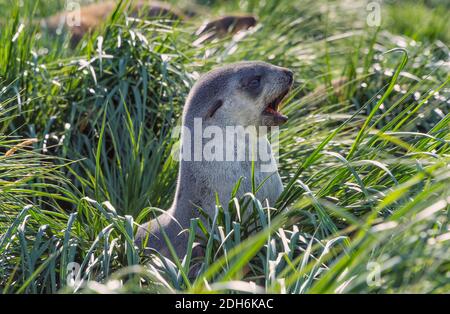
272 111
271 115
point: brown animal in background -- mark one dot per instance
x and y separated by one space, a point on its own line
222 26
90 17
228 24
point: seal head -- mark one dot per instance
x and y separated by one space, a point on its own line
244 93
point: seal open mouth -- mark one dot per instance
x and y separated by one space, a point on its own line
270 115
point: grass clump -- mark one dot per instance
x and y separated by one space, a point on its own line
364 157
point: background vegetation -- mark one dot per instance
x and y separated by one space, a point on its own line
86 137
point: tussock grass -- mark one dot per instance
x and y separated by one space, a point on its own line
365 163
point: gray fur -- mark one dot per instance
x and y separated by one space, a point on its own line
198 181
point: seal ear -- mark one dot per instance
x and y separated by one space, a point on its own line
214 108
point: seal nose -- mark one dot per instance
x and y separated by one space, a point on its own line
290 76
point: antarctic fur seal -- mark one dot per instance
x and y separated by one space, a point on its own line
244 94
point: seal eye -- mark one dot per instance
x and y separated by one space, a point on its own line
254 83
